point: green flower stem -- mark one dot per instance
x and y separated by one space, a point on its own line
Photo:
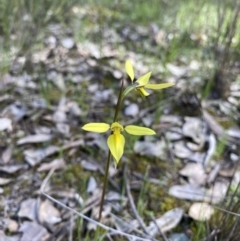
119 102
117 109
104 185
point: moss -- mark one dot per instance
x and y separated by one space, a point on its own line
72 176
168 203
18 155
49 92
7 190
155 197
226 123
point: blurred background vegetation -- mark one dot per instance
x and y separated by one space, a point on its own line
178 31
198 29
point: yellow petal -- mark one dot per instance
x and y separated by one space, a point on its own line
143 92
139 131
129 69
158 86
116 145
96 127
143 80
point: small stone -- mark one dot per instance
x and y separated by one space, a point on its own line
178 237
131 110
201 211
12 226
51 41
68 43
92 185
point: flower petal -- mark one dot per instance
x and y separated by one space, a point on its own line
129 69
96 127
116 145
158 86
139 131
143 92
143 80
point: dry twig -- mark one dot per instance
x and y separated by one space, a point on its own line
133 207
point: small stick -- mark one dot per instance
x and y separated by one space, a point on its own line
104 186
159 230
133 207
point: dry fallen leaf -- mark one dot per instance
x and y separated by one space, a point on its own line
5 124
7 154
193 127
34 156
15 111
28 209
74 109
32 231
195 173
217 192
55 164
47 213
39 138
12 168
188 192
92 185
89 165
4 181
180 150
147 148
168 221
4 237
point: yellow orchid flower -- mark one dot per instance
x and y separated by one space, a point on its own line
143 81
116 140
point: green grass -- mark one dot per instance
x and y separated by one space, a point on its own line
141 204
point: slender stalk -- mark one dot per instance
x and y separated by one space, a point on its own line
109 154
104 186
119 102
